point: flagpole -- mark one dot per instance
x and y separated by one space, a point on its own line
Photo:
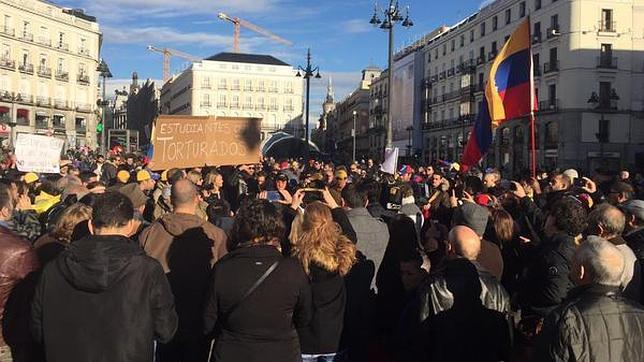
533 138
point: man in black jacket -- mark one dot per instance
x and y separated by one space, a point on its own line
634 236
594 323
103 299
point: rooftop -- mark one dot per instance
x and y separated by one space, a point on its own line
247 58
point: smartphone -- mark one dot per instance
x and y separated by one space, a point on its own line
310 189
273 196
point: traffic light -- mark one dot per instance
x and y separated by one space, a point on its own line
99 127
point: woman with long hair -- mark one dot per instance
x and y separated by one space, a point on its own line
258 297
69 226
327 256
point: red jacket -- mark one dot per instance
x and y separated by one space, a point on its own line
17 260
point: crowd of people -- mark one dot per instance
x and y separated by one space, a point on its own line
306 260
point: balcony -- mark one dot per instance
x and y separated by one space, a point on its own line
26 36
43 101
25 98
62 76
44 41
549 106
8 31
26 68
536 38
606 62
481 59
467 91
44 72
59 124
247 106
83 79
450 72
6 96
467 67
537 70
6 63
222 105
83 51
42 123
222 87
492 55
235 87
205 104
84 107
272 90
552 32
451 95
273 108
60 104
607 27
63 46
550 67
260 107
442 75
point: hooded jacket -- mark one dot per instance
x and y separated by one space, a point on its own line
187 247
103 299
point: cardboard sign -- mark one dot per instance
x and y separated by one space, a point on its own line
390 163
37 153
190 141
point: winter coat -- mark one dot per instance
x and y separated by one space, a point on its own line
594 323
187 247
372 234
263 326
102 300
635 240
546 281
435 297
322 334
17 260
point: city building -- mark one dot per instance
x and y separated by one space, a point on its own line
589 78
323 135
239 85
378 114
48 79
353 118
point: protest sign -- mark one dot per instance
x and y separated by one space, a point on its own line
391 161
37 153
189 141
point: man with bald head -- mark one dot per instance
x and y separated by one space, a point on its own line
595 322
187 247
435 296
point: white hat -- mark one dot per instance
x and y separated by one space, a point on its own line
572 174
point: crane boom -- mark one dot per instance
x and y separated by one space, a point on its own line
237 23
168 53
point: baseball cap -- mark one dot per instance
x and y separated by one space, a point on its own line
484 200
342 174
123 176
406 169
282 177
30 178
634 207
143 175
572 174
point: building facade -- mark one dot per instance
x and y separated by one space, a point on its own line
589 78
239 85
378 114
323 135
48 78
352 117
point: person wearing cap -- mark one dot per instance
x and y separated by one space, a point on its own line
139 200
122 178
281 184
145 181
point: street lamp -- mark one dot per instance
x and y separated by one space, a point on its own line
309 72
409 129
353 133
392 15
104 71
117 93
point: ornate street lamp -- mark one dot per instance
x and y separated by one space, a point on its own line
309 71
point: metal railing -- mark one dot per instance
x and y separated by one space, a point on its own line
60 103
549 106
607 26
536 38
44 41
550 67
606 62
205 104
62 76
83 78
7 63
43 101
44 72
26 68
84 107
24 98
63 46
42 123
26 36
8 31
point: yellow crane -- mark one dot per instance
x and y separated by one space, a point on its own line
238 23
167 55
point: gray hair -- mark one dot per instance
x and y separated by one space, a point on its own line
610 218
602 261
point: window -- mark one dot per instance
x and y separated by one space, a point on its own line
222 100
493 51
260 86
482 53
222 83
273 104
6 51
604 94
61 40
82 69
495 22
248 102
553 55
462 41
453 44
537 4
289 87
483 29
436 54
554 21
552 94
552 135
25 29
248 85
537 31
205 100
471 35
607 20
604 131
444 49
522 9
606 55
260 103
508 16
536 62
25 58
234 103
481 80
205 83
235 85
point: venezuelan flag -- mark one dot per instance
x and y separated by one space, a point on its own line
509 93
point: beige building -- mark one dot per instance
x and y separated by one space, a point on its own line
378 113
48 78
583 50
239 85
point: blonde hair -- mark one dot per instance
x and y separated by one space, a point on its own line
321 242
67 221
296 228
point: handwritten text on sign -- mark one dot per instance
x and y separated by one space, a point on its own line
35 153
184 141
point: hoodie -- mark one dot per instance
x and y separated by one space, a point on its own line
103 299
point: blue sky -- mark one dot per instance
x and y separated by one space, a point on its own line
341 39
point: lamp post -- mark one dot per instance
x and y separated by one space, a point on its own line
104 71
601 105
117 93
309 71
392 15
353 133
409 129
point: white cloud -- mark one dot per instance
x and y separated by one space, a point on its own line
356 26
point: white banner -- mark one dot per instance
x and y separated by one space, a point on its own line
36 153
390 163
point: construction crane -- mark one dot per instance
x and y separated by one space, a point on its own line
167 54
238 23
